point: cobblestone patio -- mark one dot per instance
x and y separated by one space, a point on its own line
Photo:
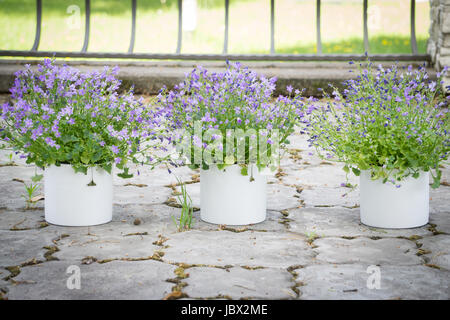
312 245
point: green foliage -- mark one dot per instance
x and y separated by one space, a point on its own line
230 118
185 221
62 116
392 122
31 191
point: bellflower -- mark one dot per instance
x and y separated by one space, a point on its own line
236 99
393 138
60 115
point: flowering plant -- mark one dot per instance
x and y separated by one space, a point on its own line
393 123
230 118
62 116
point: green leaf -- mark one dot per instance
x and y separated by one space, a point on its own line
107 167
125 174
436 179
436 183
85 159
244 171
37 177
97 156
66 139
356 171
81 169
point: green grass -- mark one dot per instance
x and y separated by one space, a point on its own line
380 44
157 24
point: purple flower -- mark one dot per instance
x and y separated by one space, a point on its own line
50 142
115 149
386 121
432 86
36 133
228 100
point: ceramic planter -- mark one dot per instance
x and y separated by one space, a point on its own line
227 197
71 199
383 205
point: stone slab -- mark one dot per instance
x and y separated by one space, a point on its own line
439 250
330 196
440 199
367 251
255 249
239 283
106 246
18 247
349 282
441 220
339 222
20 220
110 281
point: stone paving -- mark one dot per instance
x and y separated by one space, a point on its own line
312 245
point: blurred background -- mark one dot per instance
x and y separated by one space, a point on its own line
204 25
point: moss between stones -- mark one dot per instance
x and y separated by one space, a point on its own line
15 270
253 268
174 295
432 229
136 234
236 230
421 252
172 202
160 241
294 275
432 266
285 212
9 164
139 185
88 260
50 251
179 284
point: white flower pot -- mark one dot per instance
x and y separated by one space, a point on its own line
69 201
383 205
227 197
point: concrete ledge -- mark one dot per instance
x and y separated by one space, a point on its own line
149 76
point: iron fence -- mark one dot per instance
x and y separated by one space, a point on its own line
177 55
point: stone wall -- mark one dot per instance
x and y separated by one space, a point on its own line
439 41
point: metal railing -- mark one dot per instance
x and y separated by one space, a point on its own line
273 56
